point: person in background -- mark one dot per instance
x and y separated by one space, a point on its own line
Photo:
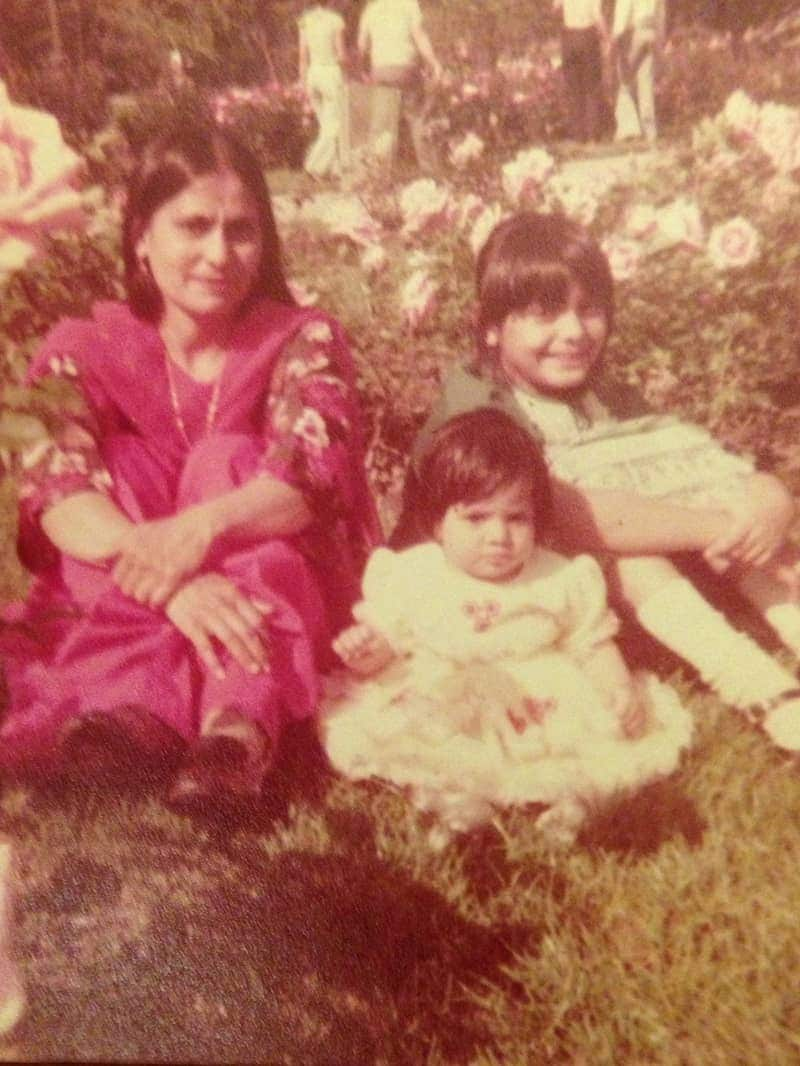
393 43
584 38
322 55
638 32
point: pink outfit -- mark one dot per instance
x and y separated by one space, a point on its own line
286 408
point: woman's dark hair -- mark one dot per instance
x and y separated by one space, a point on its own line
468 458
533 258
169 163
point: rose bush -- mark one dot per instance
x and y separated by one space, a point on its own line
37 175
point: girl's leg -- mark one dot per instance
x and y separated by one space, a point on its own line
670 608
775 599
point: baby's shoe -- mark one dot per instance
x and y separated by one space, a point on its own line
779 717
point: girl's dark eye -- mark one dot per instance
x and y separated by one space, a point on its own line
196 226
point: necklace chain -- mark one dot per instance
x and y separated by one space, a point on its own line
211 410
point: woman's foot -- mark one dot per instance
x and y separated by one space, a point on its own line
224 772
117 745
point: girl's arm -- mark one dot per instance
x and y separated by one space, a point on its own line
756 532
629 524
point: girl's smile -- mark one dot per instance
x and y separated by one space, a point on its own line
551 351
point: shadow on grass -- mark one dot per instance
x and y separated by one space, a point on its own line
323 961
639 824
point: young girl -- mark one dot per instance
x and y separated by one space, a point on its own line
485 670
639 485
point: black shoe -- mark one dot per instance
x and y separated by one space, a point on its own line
118 745
220 779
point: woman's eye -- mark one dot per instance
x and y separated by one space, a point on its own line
243 229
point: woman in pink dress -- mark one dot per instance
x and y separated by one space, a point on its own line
197 525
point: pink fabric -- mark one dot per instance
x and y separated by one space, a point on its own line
77 644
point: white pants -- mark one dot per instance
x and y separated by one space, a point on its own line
325 86
635 111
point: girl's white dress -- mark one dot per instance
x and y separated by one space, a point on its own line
487 703
655 455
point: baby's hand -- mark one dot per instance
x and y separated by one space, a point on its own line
363 649
632 712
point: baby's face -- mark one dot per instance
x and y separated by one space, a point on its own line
490 539
551 351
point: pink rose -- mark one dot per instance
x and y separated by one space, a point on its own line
623 257
36 172
734 243
418 298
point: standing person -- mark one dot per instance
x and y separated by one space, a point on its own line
485 667
393 42
322 55
638 31
584 37
196 525
636 484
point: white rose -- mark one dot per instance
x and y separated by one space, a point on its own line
741 112
623 257
734 243
679 222
423 204
418 298
373 258
36 169
483 226
525 174
467 150
778 136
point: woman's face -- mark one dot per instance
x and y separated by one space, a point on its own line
204 247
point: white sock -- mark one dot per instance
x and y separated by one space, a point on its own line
785 620
730 663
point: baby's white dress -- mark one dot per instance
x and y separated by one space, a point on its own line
487 703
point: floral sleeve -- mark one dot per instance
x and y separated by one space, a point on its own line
67 460
309 432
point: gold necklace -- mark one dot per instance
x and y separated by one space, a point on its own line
211 410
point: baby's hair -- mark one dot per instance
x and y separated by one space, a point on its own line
470 457
533 258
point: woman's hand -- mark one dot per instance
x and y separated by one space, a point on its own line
156 556
211 608
759 529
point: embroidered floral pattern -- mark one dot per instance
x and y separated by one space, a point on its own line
530 711
482 615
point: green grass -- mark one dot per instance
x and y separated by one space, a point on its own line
325 930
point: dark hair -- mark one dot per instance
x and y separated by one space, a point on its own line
468 458
169 163
533 258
